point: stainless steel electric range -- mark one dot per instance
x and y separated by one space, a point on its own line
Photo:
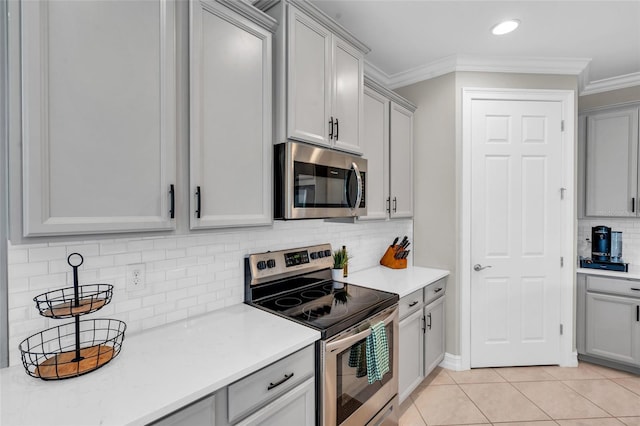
296 284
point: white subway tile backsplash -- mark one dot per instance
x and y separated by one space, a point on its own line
186 275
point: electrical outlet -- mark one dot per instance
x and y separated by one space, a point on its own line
135 276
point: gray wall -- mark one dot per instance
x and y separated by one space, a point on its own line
437 165
630 94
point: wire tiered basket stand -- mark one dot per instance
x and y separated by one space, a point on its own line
76 348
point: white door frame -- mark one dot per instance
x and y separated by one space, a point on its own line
568 355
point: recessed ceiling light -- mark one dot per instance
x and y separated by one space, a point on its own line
505 27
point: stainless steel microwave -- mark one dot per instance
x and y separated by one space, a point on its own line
314 182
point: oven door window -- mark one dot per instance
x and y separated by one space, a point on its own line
353 388
322 186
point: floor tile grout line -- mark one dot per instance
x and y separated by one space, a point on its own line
474 403
593 402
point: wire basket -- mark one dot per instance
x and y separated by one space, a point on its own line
67 303
71 350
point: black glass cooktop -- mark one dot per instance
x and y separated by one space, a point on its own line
328 306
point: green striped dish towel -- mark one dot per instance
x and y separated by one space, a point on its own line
377 353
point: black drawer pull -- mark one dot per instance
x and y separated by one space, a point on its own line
437 290
635 289
273 385
637 313
412 304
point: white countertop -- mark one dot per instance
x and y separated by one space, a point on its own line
633 274
399 281
157 371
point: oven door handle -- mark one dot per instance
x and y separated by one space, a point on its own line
347 342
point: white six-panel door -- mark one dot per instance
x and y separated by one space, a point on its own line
516 212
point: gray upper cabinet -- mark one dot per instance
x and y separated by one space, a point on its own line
388 146
230 115
98 117
319 77
611 172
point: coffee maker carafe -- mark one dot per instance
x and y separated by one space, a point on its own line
601 243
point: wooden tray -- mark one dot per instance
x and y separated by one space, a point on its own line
67 308
62 366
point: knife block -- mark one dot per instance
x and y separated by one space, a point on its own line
389 260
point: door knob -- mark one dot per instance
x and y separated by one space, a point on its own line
478 267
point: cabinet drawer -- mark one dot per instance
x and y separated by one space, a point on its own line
410 303
434 290
622 287
252 392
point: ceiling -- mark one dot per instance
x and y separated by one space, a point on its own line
411 40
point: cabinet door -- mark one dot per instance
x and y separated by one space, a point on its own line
201 413
410 354
98 97
375 148
612 163
309 79
613 327
347 92
434 335
230 112
401 159
296 407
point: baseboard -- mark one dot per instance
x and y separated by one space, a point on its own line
451 362
454 362
572 361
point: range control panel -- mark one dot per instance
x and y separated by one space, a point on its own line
274 265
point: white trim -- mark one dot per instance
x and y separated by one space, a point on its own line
613 83
452 362
566 97
526 65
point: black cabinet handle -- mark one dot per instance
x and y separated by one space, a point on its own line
424 325
437 290
331 129
276 384
172 201
429 323
337 129
198 201
412 304
637 313
395 204
388 205
633 205
635 289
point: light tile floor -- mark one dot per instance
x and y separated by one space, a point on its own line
587 395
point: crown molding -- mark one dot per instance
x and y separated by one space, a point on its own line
613 83
525 65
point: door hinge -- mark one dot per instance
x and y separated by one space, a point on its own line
562 262
562 125
561 329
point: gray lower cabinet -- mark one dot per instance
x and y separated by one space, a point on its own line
434 334
609 310
410 364
282 393
421 341
201 413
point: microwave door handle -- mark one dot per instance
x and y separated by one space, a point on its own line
347 342
354 166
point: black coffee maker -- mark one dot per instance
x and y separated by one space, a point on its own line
601 243
601 256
